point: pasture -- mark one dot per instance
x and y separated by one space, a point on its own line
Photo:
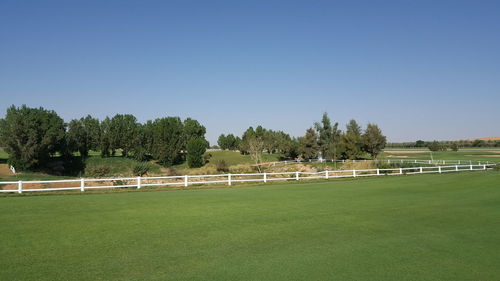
424 227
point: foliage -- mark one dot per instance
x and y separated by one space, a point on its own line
328 137
83 135
167 145
309 147
196 147
31 135
352 141
373 140
140 169
222 166
454 146
436 146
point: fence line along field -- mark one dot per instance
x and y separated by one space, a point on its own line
82 184
429 227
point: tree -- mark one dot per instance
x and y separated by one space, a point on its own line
105 137
454 146
255 148
308 147
420 143
373 140
83 135
329 137
352 141
222 142
193 129
123 129
435 146
31 135
166 141
196 147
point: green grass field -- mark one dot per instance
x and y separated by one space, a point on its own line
425 227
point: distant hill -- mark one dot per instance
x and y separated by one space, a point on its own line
486 139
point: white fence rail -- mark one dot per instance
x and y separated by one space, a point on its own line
389 161
186 180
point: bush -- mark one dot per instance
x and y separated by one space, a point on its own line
141 169
97 171
222 166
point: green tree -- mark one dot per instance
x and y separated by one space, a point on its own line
31 135
222 142
308 145
196 148
454 146
167 141
328 137
123 129
420 143
105 137
352 141
373 140
83 135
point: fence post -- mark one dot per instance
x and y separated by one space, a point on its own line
400 171
296 175
326 174
185 180
456 168
82 184
354 173
265 177
471 167
458 162
138 182
389 161
421 170
378 172
20 187
228 179
439 168
484 167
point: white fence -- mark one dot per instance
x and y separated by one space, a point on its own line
389 161
229 179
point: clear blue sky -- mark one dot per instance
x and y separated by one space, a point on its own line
420 69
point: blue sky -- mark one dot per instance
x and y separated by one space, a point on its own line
420 69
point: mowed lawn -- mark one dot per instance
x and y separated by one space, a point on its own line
423 227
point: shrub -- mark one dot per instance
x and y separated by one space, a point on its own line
97 171
141 169
222 166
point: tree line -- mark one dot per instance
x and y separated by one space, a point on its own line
324 139
32 136
444 145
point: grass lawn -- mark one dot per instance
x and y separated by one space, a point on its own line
425 227
491 155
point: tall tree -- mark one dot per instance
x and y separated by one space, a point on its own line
31 135
352 142
328 137
309 147
167 141
123 130
83 135
373 140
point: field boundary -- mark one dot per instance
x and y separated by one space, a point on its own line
82 184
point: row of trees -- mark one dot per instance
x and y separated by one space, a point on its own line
446 144
32 136
324 139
